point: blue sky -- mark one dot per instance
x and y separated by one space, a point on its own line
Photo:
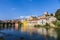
10 9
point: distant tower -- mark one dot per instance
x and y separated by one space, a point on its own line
45 13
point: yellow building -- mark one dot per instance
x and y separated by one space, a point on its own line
25 25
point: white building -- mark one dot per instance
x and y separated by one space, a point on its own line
52 19
41 20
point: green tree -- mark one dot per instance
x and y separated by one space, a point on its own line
20 24
37 26
51 14
56 23
57 14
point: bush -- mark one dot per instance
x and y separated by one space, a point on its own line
56 23
37 25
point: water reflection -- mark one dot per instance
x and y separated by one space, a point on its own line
52 33
41 34
49 34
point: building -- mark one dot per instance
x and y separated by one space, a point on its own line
52 19
40 20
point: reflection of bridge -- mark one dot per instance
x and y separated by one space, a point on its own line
8 25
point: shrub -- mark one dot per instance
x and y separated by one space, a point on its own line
56 23
37 25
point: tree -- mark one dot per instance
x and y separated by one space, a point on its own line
37 26
20 24
57 14
51 14
56 23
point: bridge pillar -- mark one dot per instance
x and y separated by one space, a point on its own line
16 25
1 25
13 25
5 25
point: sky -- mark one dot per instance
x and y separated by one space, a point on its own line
10 9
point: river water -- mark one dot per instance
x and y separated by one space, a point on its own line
11 34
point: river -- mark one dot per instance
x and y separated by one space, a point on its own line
12 34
